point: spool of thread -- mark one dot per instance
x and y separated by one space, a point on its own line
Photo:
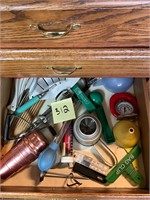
22 154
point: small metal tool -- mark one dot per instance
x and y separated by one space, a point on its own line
58 175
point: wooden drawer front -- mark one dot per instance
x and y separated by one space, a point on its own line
76 63
109 27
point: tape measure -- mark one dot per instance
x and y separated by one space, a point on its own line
123 105
91 163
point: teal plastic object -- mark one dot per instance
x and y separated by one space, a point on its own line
83 98
124 163
97 100
27 105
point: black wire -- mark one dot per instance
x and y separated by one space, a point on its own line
75 181
19 117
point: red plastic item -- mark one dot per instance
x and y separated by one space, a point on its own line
122 97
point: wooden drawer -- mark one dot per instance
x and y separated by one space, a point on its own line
108 62
102 24
52 188
112 41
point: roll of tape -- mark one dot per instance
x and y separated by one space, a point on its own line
87 129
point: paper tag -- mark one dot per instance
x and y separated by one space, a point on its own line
63 110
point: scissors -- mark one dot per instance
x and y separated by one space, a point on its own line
21 93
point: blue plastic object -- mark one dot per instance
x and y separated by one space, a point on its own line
115 85
47 158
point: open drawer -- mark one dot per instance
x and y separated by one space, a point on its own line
25 184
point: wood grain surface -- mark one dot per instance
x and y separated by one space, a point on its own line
109 27
113 41
121 62
67 4
74 194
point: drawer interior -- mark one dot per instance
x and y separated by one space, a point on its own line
27 180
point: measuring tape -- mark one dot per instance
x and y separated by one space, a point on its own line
90 168
101 173
91 163
123 105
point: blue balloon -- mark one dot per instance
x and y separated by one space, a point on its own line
115 85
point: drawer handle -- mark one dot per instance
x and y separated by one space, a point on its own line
64 71
54 34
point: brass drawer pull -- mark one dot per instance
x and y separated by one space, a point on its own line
54 34
64 71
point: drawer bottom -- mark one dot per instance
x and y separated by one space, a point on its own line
25 184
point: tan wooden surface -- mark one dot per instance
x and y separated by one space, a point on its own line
67 4
28 188
143 102
123 62
110 27
112 24
79 194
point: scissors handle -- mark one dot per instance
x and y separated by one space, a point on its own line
27 105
